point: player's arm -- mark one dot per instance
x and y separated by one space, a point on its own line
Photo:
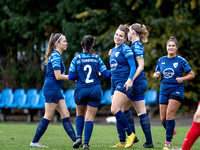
103 69
189 76
60 76
72 70
140 67
157 73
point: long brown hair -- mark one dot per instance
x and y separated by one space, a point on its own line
141 31
55 37
87 44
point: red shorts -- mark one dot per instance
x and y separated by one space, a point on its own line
199 102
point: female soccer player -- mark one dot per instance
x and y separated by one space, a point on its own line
122 70
138 34
54 99
85 70
171 68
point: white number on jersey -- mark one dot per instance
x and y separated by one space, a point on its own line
88 80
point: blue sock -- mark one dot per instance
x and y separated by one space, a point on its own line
42 126
164 125
146 127
79 125
121 132
121 117
88 131
69 129
130 119
170 125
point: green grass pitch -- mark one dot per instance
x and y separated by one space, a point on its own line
17 136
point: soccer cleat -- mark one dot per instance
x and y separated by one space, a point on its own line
77 143
147 145
174 133
130 140
86 146
167 143
37 145
120 145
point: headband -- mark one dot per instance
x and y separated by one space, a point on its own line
58 39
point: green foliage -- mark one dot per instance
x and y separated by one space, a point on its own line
26 26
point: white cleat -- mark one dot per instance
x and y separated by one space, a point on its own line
37 145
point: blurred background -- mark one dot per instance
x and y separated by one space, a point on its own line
26 25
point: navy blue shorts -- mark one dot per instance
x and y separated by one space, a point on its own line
176 93
53 95
138 91
119 85
88 96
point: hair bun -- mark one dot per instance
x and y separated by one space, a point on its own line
172 37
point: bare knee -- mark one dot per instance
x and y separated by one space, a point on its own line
196 117
48 116
114 110
65 114
163 118
170 115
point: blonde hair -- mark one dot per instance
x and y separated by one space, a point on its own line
54 38
173 39
141 30
124 28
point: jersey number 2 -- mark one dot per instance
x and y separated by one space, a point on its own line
88 80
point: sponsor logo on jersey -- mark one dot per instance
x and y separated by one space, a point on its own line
178 92
163 63
175 65
117 54
113 64
168 73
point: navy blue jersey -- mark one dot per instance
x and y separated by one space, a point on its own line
138 51
172 68
86 68
120 68
55 62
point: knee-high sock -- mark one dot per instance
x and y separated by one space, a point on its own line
88 131
146 127
121 117
192 136
68 128
164 125
79 125
170 125
121 132
130 119
42 126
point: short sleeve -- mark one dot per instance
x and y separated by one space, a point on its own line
102 66
56 61
186 66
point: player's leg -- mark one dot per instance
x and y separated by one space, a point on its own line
65 115
194 131
43 124
119 99
170 122
144 121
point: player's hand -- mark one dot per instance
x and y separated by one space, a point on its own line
110 52
128 84
156 75
179 80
